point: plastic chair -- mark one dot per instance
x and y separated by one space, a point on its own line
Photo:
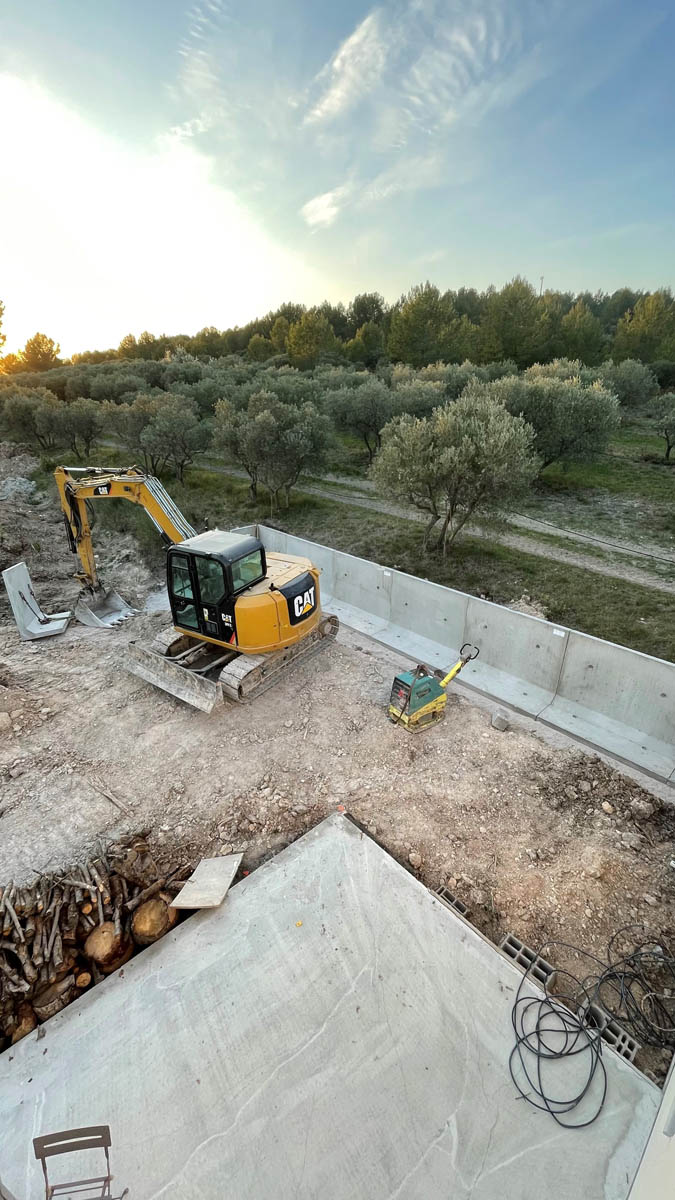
93 1137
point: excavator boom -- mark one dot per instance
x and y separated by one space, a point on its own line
77 486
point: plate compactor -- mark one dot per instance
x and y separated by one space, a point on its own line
418 698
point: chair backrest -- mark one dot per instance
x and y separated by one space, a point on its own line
91 1137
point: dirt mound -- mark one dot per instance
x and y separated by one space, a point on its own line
16 461
531 608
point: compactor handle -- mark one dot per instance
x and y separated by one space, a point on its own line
465 653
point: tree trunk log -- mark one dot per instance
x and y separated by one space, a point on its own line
27 1022
151 921
53 998
104 946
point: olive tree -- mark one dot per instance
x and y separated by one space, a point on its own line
234 433
81 423
363 410
292 440
664 421
468 456
274 442
175 434
630 380
419 397
570 421
33 415
128 421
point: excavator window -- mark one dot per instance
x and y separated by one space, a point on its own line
211 580
247 570
181 591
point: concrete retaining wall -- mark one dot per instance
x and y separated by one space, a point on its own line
614 699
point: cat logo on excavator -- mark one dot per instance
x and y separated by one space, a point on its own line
304 603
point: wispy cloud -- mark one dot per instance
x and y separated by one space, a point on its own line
408 90
421 64
354 70
409 174
321 211
405 103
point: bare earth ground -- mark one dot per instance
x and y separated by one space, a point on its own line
515 826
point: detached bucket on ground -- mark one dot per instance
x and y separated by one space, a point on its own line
102 608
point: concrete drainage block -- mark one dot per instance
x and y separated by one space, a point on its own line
528 959
500 720
451 901
594 1016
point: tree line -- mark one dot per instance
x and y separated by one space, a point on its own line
422 327
449 438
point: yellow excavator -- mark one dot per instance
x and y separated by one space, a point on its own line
240 615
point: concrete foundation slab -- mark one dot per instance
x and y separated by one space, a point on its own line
332 1032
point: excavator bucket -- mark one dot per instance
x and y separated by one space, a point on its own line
171 677
102 608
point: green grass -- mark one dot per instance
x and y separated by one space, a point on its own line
634 440
648 481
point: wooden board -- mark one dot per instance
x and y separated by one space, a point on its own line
209 882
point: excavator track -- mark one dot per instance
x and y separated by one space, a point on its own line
196 672
250 674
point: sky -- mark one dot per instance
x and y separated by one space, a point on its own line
166 166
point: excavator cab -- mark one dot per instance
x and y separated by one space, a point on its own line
206 574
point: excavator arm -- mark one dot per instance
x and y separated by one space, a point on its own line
79 485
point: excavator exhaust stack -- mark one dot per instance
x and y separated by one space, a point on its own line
102 608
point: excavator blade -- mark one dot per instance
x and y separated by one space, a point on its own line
171 677
102 608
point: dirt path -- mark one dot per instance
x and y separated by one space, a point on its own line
536 524
527 545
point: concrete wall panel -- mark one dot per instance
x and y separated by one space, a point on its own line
520 656
436 612
619 700
624 684
363 584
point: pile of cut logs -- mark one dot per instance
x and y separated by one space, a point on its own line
68 930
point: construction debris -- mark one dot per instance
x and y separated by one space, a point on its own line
31 621
210 882
500 720
70 929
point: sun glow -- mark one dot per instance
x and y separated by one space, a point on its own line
99 238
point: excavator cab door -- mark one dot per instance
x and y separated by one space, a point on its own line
200 595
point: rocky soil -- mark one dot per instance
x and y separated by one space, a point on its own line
540 841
